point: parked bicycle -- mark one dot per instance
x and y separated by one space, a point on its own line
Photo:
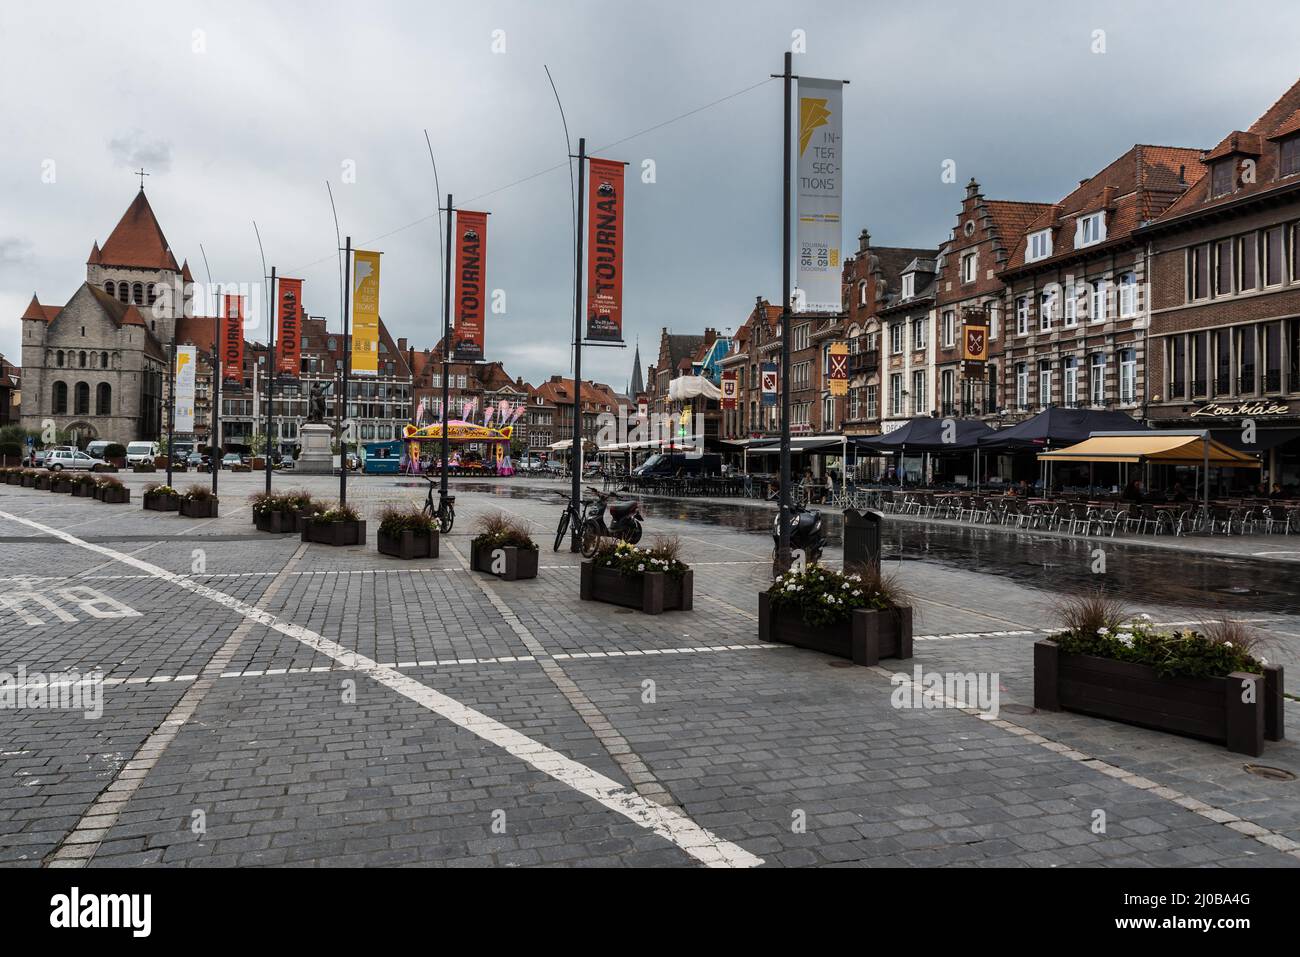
444 512
625 520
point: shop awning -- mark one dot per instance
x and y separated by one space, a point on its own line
1264 438
687 387
800 444
1160 448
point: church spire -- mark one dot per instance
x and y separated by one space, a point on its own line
638 382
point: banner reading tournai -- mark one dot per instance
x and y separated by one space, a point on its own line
365 313
605 252
820 193
183 415
471 258
288 358
232 341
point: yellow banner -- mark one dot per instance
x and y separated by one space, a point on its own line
365 313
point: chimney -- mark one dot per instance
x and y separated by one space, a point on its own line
972 188
864 241
401 344
1182 174
1108 197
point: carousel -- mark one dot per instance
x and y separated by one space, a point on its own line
476 450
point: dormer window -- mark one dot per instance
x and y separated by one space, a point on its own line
909 285
1289 157
1040 245
1222 177
1091 230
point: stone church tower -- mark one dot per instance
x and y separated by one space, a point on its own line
97 366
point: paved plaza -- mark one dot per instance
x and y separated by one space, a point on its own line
267 702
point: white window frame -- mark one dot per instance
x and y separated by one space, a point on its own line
1022 385
895 338
1046 310
1044 382
1091 230
949 328
1070 378
918 392
1128 376
994 310
1097 379
969 267
909 286
1099 300
1128 295
1038 245
1022 315
920 333
896 394
1071 311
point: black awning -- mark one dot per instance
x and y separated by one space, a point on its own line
1265 438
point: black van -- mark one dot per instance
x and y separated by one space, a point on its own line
667 464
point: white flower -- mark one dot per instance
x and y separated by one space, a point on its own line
1227 644
1262 660
1126 640
1103 630
641 567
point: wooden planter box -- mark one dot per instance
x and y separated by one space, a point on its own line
29 481
1211 709
143 469
868 636
409 544
62 486
651 592
278 523
160 503
114 496
81 490
519 562
14 479
198 508
333 533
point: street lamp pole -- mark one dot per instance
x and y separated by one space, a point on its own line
575 453
270 378
446 361
783 538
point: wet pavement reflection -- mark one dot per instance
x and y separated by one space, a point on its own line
1172 577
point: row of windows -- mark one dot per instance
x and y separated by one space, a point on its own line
1079 301
1070 380
1242 263
1228 174
81 399
84 360
1243 361
139 294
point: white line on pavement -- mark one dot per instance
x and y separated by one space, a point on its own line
669 823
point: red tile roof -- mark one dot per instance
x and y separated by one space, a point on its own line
1135 188
1259 142
138 240
36 311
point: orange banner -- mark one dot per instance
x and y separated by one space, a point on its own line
232 340
471 258
605 252
289 344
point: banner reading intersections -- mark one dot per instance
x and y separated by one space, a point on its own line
820 194
365 313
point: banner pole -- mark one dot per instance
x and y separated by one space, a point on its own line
214 440
340 410
783 540
575 453
446 360
171 396
271 306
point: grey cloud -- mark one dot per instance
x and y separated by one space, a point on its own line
135 149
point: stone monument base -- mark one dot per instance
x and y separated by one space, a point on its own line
316 458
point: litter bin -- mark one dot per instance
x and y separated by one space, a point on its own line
862 538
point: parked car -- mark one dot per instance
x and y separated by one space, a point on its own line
42 454
141 453
230 460
195 461
60 459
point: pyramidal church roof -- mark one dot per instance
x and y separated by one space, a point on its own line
137 241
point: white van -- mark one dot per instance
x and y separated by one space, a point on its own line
141 453
97 448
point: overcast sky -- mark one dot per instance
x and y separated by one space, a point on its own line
241 112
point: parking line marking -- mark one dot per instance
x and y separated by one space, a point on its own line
669 823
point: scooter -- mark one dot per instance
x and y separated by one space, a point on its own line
624 522
805 533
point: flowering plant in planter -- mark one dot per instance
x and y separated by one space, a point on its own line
332 523
499 530
661 556
823 596
157 488
394 520
1100 626
503 547
198 493
337 512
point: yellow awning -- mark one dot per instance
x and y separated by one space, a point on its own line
1162 449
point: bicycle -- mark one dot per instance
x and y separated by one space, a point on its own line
570 516
445 512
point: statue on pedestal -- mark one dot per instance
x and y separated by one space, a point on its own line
316 405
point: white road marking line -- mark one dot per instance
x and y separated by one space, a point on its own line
669 823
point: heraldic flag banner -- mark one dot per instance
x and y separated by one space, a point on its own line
365 313
232 341
820 193
471 259
288 357
605 252
838 360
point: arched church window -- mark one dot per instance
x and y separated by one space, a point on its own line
153 293
59 358
81 399
137 294
103 360
81 359
123 292
110 287
60 398
103 399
